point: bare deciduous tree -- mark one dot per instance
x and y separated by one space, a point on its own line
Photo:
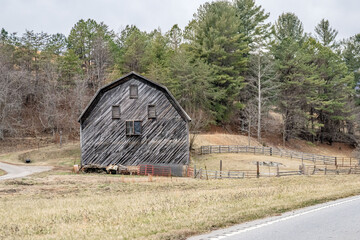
262 81
10 96
100 56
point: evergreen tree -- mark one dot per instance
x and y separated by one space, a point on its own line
325 34
217 41
351 56
90 41
133 44
190 82
287 50
335 89
252 20
175 36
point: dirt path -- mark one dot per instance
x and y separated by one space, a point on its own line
16 171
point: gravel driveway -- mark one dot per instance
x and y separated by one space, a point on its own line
17 171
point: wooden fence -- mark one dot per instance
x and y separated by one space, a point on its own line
268 171
213 174
269 151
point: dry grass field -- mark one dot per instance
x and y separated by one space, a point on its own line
67 206
53 155
62 205
242 161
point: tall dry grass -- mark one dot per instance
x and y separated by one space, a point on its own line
102 207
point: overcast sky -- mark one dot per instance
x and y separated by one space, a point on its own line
54 16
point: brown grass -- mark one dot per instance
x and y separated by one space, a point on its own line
241 161
106 207
336 149
60 205
66 156
223 139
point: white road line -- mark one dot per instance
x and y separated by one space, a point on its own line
283 219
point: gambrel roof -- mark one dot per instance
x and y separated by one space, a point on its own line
132 75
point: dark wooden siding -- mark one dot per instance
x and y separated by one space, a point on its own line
164 139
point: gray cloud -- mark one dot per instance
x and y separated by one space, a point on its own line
54 16
342 15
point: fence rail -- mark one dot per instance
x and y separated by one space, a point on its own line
275 172
213 174
270 151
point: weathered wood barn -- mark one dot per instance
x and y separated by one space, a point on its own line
134 121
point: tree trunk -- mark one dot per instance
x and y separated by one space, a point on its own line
259 103
249 130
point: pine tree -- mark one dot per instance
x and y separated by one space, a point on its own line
175 36
90 41
286 48
252 20
325 34
217 41
351 56
335 91
133 44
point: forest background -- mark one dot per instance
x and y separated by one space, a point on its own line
228 67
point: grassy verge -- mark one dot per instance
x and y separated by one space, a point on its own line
2 172
53 155
114 207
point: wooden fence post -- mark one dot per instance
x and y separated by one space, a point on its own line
220 167
271 151
194 171
336 162
277 171
257 169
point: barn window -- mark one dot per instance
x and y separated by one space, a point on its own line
151 111
133 91
133 128
116 112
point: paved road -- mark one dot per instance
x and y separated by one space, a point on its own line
17 171
334 220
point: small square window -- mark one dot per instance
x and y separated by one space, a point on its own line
133 91
115 112
151 111
133 128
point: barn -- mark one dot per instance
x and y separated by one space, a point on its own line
134 121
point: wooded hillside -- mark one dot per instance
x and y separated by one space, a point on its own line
229 66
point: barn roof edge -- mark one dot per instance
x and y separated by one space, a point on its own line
117 82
